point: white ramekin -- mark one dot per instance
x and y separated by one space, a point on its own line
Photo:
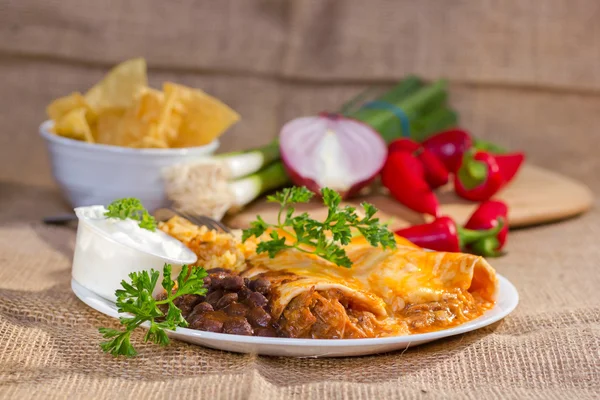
100 263
92 174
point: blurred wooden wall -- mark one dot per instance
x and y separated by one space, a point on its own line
525 73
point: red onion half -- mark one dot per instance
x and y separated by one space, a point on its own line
331 151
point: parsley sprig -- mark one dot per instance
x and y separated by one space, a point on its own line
323 238
136 299
131 208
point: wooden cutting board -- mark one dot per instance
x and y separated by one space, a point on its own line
535 196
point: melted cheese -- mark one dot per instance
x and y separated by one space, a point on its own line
407 289
401 278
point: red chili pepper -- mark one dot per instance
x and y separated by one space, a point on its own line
449 147
487 216
478 177
403 174
444 235
436 173
509 164
404 145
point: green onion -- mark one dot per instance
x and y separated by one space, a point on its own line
412 103
354 103
407 87
242 163
247 189
401 91
433 122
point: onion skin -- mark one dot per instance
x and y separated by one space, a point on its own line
314 186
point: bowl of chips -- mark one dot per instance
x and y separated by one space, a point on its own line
115 140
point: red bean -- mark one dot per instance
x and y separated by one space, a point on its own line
198 311
258 317
260 285
256 299
233 282
205 323
215 270
236 309
213 297
202 308
192 319
216 280
244 293
237 326
187 302
226 300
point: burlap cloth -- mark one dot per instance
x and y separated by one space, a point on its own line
524 73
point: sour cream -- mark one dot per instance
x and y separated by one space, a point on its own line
107 250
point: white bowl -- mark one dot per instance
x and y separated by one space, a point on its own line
92 174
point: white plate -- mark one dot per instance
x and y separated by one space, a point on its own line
508 298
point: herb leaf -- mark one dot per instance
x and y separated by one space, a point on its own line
324 239
131 208
136 299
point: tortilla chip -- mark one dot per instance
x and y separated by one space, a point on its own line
150 109
74 125
121 110
61 106
131 129
171 114
119 87
149 104
204 118
151 142
106 130
138 124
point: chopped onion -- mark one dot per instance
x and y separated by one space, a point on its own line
332 151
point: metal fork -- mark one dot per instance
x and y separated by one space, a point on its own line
162 214
200 220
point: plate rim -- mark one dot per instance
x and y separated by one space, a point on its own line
108 308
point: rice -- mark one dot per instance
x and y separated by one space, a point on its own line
214 249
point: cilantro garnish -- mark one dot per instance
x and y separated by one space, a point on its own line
324 239
136 299
131 208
